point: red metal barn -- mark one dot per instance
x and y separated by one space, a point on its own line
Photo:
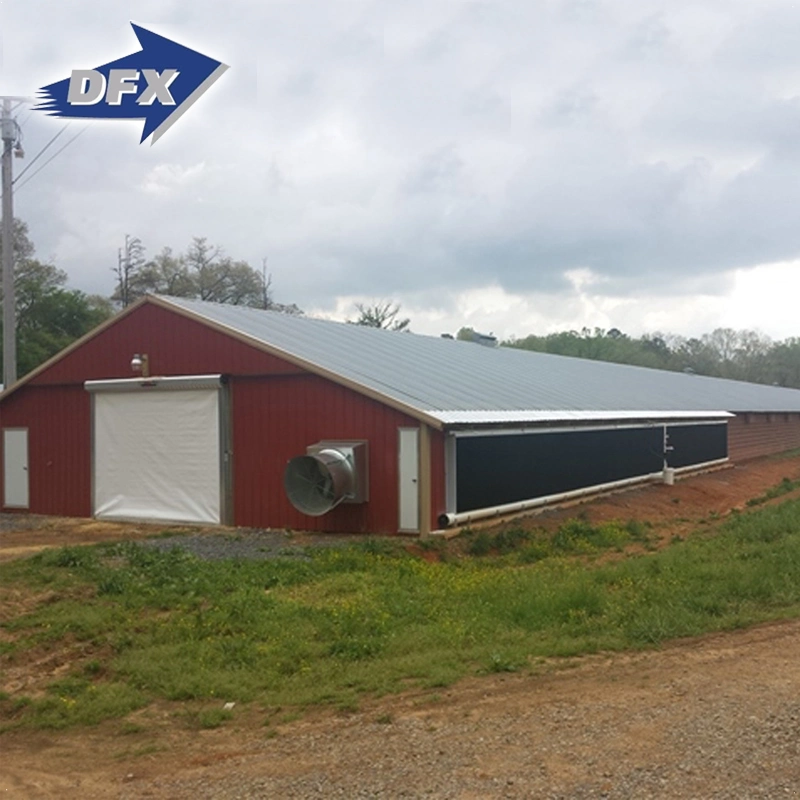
381 431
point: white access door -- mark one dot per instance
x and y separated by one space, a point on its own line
15 467
157 454
408 448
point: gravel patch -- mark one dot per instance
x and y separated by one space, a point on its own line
22 522
248 544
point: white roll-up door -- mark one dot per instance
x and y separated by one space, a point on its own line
157 451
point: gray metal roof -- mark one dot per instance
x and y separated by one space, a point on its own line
463 383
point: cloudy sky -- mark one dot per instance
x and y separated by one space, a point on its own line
513 165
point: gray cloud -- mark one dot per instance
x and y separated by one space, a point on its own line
388 149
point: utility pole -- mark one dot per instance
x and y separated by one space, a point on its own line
9 132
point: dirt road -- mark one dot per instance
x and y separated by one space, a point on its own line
712 718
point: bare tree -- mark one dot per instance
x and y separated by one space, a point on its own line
130 263
381 314
203 272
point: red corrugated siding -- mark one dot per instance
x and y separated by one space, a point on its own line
276 418
752 435
59 459
438 498
277 409
175 345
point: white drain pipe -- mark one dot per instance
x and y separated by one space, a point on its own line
465 517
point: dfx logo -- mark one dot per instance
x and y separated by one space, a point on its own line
158 84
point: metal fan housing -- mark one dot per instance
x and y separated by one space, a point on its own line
328 474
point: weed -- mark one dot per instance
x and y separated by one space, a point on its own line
348 705
505 541
114 583
639 531
581 536
435 544
500 663
130 728
512 539
536 551
73 701
212 717
146 749
377 547
355 648
480 544
784 487
169 534
69 557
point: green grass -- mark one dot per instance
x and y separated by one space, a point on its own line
785 455
784 487
575 536
138 625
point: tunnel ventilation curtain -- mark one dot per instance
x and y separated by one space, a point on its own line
157 455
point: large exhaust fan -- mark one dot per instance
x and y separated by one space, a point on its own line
331 472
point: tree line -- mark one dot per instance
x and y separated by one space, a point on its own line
743 355
50 315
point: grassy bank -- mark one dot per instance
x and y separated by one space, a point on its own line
135 624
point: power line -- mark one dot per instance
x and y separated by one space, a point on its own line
27 117
59 151
37 156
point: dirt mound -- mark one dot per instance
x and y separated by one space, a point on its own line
674 510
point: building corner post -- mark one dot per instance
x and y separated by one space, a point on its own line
424 481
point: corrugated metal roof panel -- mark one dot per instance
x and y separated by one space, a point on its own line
436 375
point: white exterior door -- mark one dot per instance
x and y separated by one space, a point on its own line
15 467
408 448
157 455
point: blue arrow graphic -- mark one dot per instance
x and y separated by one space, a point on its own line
158 84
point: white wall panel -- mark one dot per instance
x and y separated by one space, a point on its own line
15 467
409 478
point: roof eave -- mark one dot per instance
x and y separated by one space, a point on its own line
492 420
